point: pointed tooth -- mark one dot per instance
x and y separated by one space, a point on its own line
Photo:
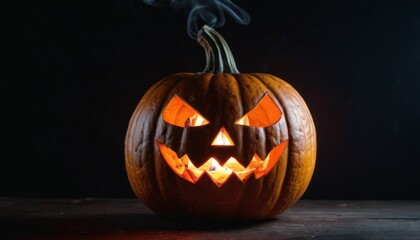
262 167
219 176
255 163
273 157
259 174
195 174
255 166
244 175
209 164
234 165
176 164
184 168
187 176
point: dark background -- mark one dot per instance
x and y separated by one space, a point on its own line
84 65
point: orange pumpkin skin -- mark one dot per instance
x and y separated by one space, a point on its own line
222 98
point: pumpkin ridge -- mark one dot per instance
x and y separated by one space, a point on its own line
240 79
260 76
266 130
134 121
132 130
197 77
243 206
157 165
307 132
163 167
239 96
307 174
255 191
281 105
267 143
242 111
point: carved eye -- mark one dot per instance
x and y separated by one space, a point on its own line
264 114
181 114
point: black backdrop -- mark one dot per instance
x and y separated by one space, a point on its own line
83 66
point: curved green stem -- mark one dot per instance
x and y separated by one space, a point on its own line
219 58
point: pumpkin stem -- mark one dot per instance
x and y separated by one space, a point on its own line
219 58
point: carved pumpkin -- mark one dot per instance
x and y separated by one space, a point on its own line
220 143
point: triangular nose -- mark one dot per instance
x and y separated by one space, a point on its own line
222 139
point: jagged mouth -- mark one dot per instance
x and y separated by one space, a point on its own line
183 167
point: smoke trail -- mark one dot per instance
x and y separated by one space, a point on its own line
200 12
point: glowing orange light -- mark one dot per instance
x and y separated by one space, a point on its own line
197 120
222 139
243 121
184 168
181 114
264 114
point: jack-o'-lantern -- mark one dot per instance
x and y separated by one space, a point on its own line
220 143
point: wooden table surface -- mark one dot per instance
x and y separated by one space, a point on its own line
121 219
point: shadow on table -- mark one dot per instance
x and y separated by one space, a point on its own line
117 226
